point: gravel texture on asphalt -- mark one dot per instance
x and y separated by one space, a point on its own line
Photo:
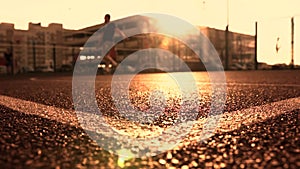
32 140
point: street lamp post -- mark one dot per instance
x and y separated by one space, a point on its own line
34 55
292 43
54 57
227 39
255 50
12 57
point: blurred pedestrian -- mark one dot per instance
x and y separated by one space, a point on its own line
109 31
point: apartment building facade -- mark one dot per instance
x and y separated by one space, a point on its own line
53 46
34 48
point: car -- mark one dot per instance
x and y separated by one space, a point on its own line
66 68
44 69
3 69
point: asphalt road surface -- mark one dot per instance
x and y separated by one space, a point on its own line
259 126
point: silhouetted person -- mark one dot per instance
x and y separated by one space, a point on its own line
9 61
109 31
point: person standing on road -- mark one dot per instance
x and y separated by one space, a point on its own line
109 31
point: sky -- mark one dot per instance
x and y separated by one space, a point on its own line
273 17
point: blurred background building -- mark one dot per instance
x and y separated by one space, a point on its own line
54 48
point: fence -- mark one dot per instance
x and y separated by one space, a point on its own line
28 57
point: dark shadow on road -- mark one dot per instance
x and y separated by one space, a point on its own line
30 141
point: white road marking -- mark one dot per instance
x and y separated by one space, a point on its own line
49 112
233 120
229 121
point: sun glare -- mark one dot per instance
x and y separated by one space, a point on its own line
124 155
174 27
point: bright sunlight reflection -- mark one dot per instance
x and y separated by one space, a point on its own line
124 155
